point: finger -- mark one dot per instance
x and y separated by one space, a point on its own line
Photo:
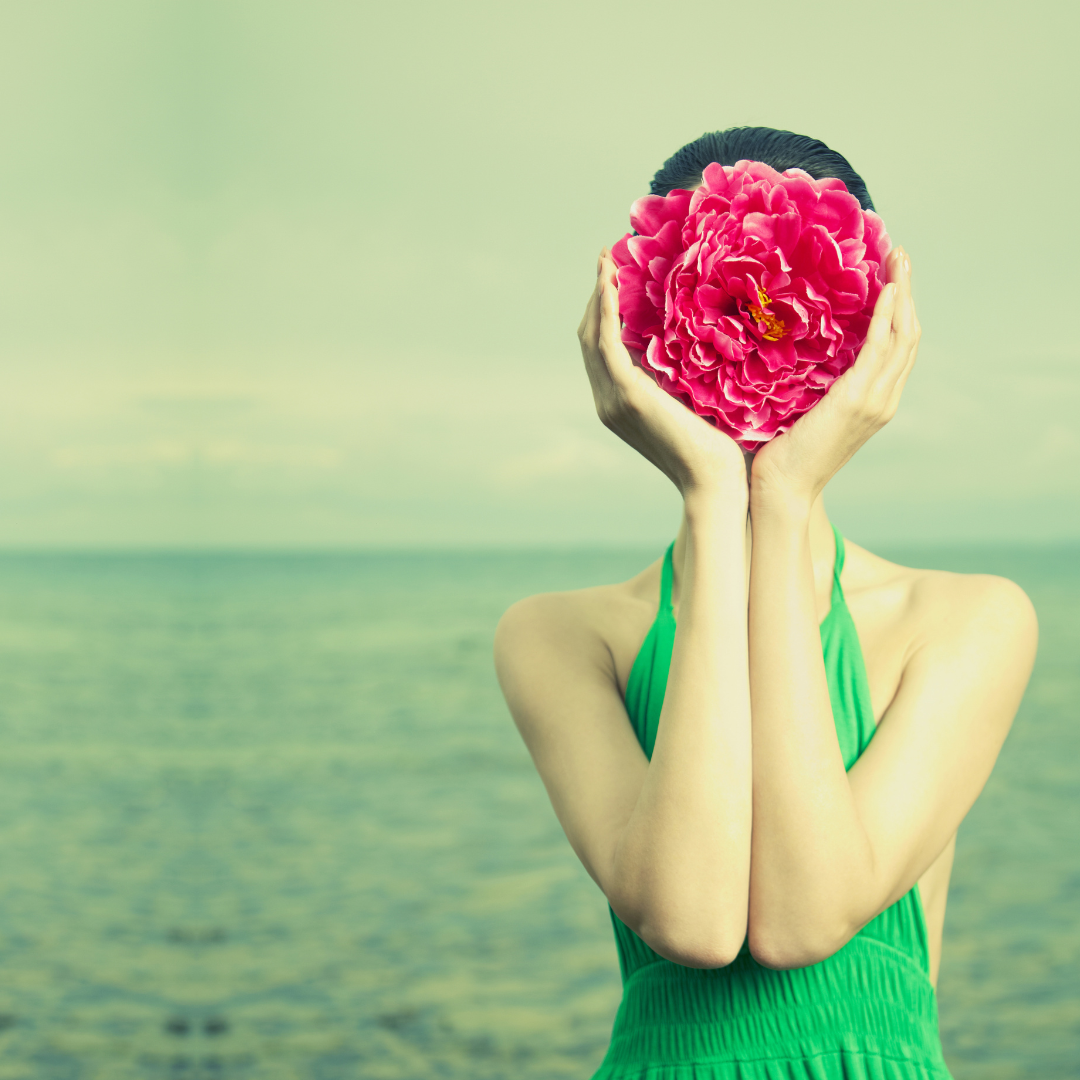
905 335
590 321
864 376
611 344
616 358
894 265
595 366
879 333
901 380
588 335
609 273
904 312
589 327
898 388
912 355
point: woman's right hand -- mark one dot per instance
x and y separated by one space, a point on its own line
693 454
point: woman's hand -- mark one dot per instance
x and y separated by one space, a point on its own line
694 455
795 466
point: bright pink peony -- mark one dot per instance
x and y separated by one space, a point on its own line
750 296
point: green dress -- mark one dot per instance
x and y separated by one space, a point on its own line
866 1013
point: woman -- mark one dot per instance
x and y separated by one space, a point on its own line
762 746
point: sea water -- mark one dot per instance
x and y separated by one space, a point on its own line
267 817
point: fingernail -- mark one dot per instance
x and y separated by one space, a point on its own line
907 265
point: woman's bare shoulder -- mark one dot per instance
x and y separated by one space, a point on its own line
598 621
932 604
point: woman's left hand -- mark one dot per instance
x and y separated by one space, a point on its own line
795 466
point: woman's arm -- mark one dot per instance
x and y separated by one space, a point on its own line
668 840
681 868
832 849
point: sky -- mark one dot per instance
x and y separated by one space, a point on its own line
304 275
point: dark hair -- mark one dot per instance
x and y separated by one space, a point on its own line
779 149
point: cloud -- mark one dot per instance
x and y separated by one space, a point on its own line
212 455
568 455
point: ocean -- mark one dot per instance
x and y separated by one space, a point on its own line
266 817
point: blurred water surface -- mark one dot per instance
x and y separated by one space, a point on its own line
266 817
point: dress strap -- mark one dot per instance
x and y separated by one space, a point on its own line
666 575
838 566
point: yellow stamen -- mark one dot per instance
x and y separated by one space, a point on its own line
774 326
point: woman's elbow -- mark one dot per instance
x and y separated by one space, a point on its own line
785 948
707 934
700 947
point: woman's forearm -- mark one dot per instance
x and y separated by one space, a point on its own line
683 861
811 859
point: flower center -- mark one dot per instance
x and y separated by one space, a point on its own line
774 326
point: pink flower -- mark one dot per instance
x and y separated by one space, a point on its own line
750 296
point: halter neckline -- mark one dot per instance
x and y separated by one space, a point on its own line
870 1005
667 575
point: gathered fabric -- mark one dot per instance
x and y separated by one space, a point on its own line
868 1012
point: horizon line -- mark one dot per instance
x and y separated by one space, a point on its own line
508 548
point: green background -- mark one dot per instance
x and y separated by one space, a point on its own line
308 274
